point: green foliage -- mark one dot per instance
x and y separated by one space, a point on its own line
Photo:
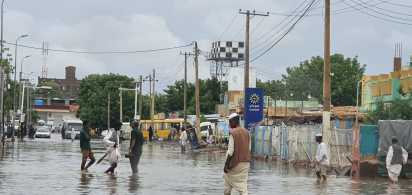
210 91
54 92
396 110
307 79
93 98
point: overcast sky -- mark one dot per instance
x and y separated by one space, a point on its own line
101 25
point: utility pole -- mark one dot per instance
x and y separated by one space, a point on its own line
108 111
326 133
121 104
152 108
186 54
185 95
140 96
135 101
197 92
248 13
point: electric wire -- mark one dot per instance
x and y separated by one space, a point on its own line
100 52
307 10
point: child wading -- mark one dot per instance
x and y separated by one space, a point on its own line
111 140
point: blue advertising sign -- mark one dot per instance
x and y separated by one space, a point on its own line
253 111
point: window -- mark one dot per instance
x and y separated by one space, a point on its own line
235 50
222 49
229 44
241 44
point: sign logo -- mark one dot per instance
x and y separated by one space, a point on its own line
254 99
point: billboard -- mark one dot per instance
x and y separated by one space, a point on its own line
253 111
236 78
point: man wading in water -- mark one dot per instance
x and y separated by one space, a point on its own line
238 158
322 158
136 146
85 147
397 156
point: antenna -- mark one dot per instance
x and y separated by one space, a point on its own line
45 52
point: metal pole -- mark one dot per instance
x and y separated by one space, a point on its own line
154 93
108 111
121 106
185 94
2 71
140 96
135 101
22 98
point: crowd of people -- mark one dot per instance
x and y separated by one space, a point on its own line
238 155
111 141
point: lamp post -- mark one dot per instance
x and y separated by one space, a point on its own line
2 71
21 76
15 72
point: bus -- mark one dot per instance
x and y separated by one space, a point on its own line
161 127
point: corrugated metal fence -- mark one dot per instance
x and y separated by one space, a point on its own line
297 143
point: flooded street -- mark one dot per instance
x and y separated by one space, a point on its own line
52 166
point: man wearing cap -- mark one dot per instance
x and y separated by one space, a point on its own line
322 158
396 157
136 146
238 158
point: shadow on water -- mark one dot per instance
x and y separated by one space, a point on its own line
133 183
84 184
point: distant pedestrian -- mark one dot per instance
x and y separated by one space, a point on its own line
238 158
322 158
396 157
183 140
136 146
73 134
85 148
150 133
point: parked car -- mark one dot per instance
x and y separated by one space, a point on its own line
206 129
42 132
125 131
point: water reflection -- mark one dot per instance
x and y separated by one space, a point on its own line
54 165
111 183
84 183
133 183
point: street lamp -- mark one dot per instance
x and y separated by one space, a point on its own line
1 73
15 74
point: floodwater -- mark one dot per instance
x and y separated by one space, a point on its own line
51 166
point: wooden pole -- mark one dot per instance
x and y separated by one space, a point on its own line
197 92
326 78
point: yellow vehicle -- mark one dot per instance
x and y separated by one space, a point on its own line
161 127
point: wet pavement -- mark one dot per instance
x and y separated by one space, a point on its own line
51 166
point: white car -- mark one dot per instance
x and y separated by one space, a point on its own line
42 132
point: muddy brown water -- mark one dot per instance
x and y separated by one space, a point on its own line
51 166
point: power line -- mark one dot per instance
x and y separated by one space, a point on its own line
396 4
279 26
275 36
232 21
101 52
387 10
308 8
374 15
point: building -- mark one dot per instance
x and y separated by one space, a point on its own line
386 88
69 86
55 110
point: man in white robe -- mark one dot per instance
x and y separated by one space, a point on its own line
396 157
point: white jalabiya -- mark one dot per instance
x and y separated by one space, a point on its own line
395 170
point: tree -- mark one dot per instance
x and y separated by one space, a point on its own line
307 79
93 98
395 110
